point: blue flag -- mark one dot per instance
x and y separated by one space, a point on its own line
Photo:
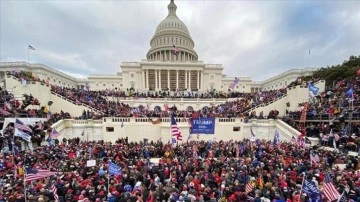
313 90
114 169
350 92
276 137
311 190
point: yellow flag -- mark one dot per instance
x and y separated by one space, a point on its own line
46 108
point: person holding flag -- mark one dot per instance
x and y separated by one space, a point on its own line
114 169
308 187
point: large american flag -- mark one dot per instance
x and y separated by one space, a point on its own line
20 125
34 174
175 131
329 190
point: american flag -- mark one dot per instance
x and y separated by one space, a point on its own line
329 190
33 174
175 50
300 141
20 125
31 47
4 112
54 133
175 131
314 158
54 191
249 187
7 106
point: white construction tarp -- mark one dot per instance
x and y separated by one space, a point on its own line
27 121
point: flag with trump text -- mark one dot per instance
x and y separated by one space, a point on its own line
114 169
311 190
175 131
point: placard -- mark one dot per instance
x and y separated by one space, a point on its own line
90 163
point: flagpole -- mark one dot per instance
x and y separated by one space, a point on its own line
28 54
108 181
352 101
302 184
24 182
170 129
309 58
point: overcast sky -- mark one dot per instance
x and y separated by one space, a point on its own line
249 38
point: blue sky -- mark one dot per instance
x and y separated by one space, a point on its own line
249 38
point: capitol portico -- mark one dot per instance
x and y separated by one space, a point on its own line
171 64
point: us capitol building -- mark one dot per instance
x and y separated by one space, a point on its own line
170 64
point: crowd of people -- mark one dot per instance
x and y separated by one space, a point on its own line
100 100
332 116
201 171
233 171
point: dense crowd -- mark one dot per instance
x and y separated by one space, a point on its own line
10 105
100 101
104 100
192 171
27 106
337 105
233 171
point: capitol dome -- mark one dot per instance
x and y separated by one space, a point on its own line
172 40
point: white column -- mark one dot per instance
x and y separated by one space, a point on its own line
147 79
156 80
198 81
168 80
160 79
143 79
186 79
177 79
202 80
189 80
